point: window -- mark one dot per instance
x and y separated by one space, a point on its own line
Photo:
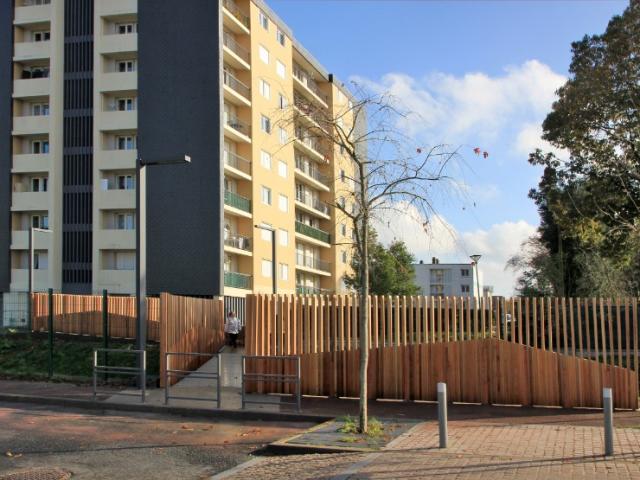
40 221
42 36
282 102
284 238
265 124
265 89
266 268
125 104
343 176
282 168
125 28
345 257
281 70
266 195
40 146
123 66
125 221
263 54
125 261
39 184
125 182
464 272
35 72
265 159
265 233
341 202
126 142
40 109
340 96
284 137
281 37
343 229
284 272
464 288
283 203
264 21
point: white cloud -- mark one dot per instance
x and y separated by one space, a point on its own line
474 108
530 137
440 239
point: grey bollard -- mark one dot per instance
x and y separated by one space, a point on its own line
607 404
442 414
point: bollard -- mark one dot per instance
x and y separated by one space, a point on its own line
50 332
442 414
607 404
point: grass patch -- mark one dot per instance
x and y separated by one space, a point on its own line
26 357
350 426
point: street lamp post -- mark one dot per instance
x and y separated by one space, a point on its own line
141 246
476 259
30 280
274 269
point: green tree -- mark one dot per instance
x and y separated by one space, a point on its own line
391 269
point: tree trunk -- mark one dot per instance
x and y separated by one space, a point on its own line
364 329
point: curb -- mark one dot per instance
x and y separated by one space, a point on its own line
105 407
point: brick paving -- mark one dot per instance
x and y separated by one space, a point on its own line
477 450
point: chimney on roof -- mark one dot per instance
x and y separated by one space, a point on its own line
434 260
421 262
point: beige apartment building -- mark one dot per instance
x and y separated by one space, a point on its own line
83 87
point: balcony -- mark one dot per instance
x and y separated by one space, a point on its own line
236 165
20 280
235 18
116 120
237 244
306 290
31 87
307 262
118 81
313 233
237 280
235 91
115 199
112 239
25 51
31 125
117 281
309 86
32 14
236 129
309 113
313 205
237 203
29 201
118 43
311 175
31 163
235 54
114 8
310 145
115 159
20 240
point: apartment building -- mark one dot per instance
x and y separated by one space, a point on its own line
89 86
448 279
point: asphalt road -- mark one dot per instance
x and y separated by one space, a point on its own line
116 445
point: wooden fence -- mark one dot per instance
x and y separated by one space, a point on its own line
190 325
543 351
82 315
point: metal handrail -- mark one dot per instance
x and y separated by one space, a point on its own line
305 78
313 202
237 241
184 373
237 12
309 261
237 124
308 111
236 161
229 41
123 370
306 290
272 377
236 85
311 171
313 232
310 142
237 280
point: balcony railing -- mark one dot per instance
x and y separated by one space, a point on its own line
237 201
313 232
237 124
236 85
237 12
309 111
312 262
237 241
230 42
236 161
237 280
308 169
313 202
305 78
310 141
306 290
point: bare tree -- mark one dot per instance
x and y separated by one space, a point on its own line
384 171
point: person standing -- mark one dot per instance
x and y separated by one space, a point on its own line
232 327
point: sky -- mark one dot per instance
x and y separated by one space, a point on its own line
478 73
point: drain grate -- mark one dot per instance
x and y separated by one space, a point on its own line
38 474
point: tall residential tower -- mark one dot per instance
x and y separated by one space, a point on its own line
88 86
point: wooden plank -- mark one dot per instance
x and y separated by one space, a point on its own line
476 308
550 323
594 314
542 326
446 314
603 334
469 329
527 323
627 333
454 317
619 332
556 319
572 326
565 340
610 332
635 335
498 315
483 317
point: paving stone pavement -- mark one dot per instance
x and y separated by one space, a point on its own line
477 450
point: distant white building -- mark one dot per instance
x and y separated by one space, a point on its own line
448 279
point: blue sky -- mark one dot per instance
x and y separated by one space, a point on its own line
480 73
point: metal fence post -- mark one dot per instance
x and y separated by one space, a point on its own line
298 385
105 330
607 403
50 329
219 381
144 374
95 374
166 378
442 414
243 373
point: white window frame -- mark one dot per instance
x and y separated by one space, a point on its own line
265 233
129 27
284 272
283 237
263 20
41 36
127 102
130 142
265 159
130 65
40 109
281 37
281 69
283 169
263 53
265 124
266 195
266 268
283 203
265 89
282 102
